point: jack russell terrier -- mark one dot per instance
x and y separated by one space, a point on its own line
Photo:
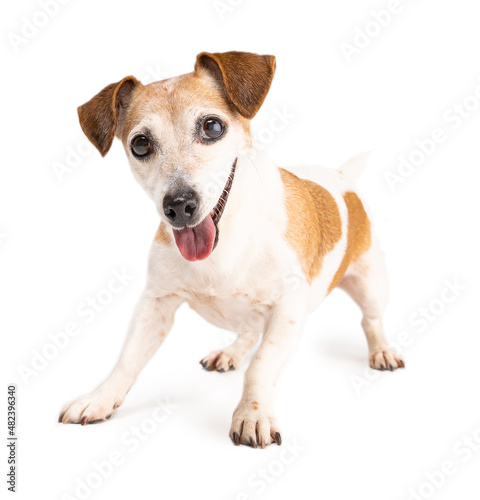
251 247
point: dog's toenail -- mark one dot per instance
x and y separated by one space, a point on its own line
236 439
278 438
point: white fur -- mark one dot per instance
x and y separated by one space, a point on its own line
354 167
252 283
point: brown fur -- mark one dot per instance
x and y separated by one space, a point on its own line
234 82
163 236
98 117
359 236
246 77
205 299
314 223
171 98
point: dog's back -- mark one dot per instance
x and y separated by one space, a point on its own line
323 205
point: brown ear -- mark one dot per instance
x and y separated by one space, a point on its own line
245 77
99 116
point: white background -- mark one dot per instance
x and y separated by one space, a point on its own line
62 236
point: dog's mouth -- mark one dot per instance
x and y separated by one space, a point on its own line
198 242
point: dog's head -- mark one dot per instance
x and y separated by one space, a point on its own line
183 137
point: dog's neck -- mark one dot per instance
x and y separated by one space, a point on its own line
252 207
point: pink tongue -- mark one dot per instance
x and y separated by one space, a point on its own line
196 243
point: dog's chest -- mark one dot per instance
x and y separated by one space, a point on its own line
237 311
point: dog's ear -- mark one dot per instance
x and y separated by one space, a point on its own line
99 116
245 77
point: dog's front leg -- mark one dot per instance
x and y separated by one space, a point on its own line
152 321
253 420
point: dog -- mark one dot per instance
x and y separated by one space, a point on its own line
251 247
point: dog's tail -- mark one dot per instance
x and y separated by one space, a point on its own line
354 167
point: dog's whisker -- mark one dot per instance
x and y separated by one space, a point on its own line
258 172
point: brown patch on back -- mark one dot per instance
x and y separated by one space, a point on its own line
255 405
163 236
314 223
359 236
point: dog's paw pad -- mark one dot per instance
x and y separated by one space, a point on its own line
386 360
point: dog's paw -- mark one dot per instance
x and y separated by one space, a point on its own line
386 360
89 409
222 361
254 426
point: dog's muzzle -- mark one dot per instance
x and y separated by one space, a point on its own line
196 241
180 208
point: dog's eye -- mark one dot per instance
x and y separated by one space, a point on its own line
213 128
141 146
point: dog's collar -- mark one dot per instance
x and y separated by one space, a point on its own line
219 208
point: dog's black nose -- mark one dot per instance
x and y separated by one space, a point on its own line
180 207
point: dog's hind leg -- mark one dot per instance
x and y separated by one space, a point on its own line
232 356
366 282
